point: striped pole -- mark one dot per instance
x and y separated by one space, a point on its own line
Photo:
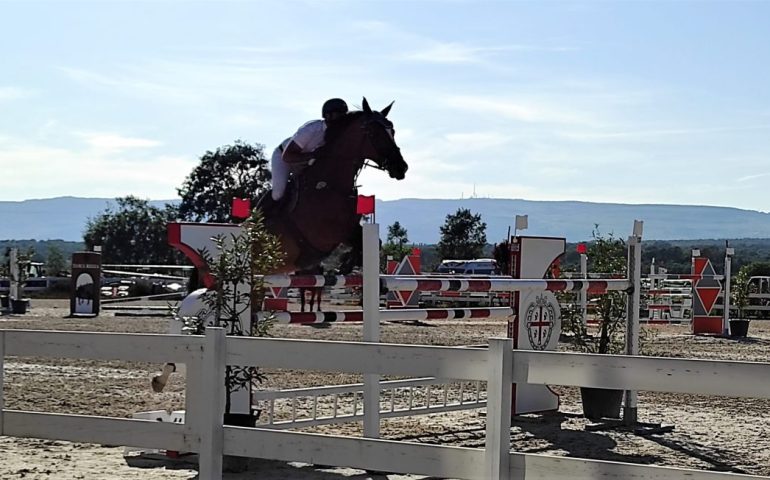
494 313
310 281
427 283
503 285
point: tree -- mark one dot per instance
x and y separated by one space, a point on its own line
55 262
501 252
134 233
608 256
463 236
396 244
238 170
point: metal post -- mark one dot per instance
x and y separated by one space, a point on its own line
729 252
371 301
630 415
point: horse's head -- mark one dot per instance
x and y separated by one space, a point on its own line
381 137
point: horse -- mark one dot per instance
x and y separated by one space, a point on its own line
319 213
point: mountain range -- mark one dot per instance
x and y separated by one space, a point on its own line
65 218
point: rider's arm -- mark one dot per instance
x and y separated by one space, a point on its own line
302 145
293 154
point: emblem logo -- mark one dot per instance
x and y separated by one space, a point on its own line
540 317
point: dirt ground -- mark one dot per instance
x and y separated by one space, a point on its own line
710 433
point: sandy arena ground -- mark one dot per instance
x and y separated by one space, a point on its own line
711 433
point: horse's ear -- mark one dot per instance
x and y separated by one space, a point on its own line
386 110
366 106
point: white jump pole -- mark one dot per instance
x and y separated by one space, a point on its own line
630 415
729 252
371 307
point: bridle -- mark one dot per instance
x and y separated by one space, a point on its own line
383 163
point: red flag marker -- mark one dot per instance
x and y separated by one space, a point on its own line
241 208
365 205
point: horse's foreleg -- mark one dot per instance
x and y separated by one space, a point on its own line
159 381
353 258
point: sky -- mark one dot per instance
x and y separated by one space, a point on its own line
623 102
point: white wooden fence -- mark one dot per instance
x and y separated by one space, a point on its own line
498 365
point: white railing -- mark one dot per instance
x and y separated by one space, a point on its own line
497 365
332 404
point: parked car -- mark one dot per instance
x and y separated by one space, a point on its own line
478 266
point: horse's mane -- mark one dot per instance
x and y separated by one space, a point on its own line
334 129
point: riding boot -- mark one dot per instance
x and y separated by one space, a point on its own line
269 206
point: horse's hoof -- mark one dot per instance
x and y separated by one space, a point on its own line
157 385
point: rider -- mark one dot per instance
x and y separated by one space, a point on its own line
302 148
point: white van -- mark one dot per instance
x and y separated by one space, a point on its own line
478 266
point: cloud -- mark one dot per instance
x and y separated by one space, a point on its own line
642 133
421 48
752 177
44 172
109 141
456 53
519 110
476 140
128 82
13 93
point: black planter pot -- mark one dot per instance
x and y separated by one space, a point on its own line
232 464
19 306
601 403
739 328
5 302
242 419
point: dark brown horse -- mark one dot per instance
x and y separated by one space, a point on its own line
320 213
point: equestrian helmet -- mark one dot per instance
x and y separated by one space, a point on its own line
334 105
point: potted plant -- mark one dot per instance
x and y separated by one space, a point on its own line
741 288
237 270
606 335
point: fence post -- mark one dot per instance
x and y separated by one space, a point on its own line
630 416
2 363
211 425
371 306
729 252
498 444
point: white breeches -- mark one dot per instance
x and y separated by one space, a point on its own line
280 171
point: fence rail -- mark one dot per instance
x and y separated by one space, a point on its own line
498 365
